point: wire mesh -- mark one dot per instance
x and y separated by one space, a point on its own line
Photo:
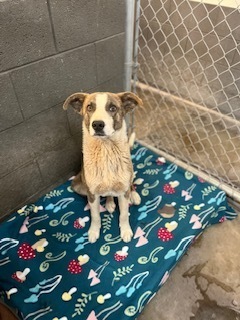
188 75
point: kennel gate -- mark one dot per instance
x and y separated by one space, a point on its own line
186 68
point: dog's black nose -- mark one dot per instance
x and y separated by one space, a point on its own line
98 125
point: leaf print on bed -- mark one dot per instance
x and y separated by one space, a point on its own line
182 211
53 193
206 191
106 222
82 302
152 172
121 272
26 210
63 237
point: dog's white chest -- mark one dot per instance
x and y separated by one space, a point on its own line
108 172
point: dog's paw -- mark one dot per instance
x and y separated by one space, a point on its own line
126 234
93 234
110 206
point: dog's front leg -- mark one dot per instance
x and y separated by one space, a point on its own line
126 231
94 230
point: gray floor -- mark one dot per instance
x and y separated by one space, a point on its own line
206 283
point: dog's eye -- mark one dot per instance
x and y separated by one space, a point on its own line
112 108
90 107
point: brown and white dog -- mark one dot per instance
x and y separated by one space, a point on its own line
107 166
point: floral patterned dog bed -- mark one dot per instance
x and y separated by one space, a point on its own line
49 270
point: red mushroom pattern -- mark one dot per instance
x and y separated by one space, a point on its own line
26 252
164 234
74 267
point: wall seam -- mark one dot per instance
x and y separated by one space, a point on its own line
52 25
58 54
19 105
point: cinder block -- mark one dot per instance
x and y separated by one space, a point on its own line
110 57
10 113
48 82
62 159
19 185
39 134
25 32
115 84
75 22
79 22
111 17
47 129
75 121
15 151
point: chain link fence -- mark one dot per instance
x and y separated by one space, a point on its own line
187 55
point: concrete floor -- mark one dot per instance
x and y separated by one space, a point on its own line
206 283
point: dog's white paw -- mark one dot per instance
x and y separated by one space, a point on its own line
110 206
93 234
126 234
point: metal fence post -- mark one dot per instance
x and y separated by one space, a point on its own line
130 6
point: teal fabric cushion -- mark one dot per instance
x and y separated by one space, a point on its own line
49 270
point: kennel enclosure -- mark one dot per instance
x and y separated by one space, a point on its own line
185 63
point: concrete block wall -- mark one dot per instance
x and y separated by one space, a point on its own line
48 50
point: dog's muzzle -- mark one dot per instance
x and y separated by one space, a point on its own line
98 127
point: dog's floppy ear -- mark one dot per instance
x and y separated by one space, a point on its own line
129 101
75 100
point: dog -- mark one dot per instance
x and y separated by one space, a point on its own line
107 167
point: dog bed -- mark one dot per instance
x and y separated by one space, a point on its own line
49 270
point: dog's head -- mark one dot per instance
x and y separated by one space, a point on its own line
103 112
